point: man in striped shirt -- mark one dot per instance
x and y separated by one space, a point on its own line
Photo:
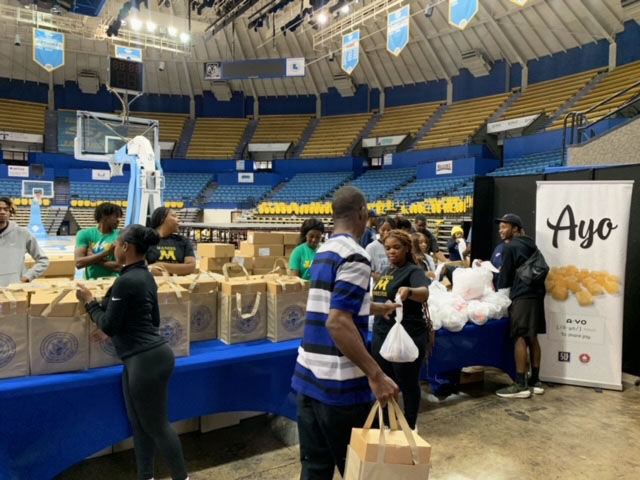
335 375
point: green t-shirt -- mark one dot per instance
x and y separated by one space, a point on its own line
301 260
96 242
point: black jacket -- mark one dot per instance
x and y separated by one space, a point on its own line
515 253
129 313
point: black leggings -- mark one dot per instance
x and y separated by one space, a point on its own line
406 375
145 385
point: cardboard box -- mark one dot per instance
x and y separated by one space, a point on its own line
212 264
14 358
264 238
250 250
290 239
59 266
246 262
216 250
288 250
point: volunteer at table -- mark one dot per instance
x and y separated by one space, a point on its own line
302 257
174 253
94 246
404 278
129 314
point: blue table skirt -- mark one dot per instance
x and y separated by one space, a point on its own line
49 423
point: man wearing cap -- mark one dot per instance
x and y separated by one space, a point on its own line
527 307
370 233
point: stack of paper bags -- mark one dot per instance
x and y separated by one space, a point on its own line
58 332
242 307
14 360
381 454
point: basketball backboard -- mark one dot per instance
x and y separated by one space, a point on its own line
30 188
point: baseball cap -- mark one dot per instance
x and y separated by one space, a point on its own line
455 230
511 218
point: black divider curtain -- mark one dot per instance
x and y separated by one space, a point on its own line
495 196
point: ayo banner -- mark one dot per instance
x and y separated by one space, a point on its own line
398 30
48 49
582 230
350 51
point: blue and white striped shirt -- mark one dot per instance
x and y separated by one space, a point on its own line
339 280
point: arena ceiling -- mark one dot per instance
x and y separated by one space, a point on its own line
501 30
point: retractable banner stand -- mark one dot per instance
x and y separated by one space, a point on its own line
582 230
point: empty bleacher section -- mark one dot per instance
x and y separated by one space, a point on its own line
216 138
310 187
405 120
376 184
460 121
529 164
184 187
96 191
616 81
430 188
334 135
23 117
280 128
239 194
547 97
171 124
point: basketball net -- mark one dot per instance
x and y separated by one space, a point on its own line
37 198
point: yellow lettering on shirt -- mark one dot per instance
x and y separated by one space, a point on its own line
380 290
167 254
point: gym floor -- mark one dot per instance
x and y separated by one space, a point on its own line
569 432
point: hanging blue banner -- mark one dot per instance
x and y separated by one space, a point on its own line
128 53
48 49
398 30
350 51
461 12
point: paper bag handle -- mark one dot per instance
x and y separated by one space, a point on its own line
254 310
227 266
12 301
47 311
280 264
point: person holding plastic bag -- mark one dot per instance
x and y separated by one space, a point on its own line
407 282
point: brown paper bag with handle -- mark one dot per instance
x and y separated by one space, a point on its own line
175 316
58 332
286 307
379 454
14 358
242 307
203 288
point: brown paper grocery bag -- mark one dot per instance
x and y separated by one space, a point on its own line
286 307
242 307
175 316
203 288
14 358
379 454
102 352
58 333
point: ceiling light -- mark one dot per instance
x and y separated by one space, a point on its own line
322 18
136 24
185 37
345 9
172 31
151 27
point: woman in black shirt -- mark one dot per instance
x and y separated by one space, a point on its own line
129 314
174 253
406 279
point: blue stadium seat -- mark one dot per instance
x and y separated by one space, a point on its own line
310 187
378 184
531 164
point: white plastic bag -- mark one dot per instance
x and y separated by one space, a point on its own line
398 347
479 312
472 283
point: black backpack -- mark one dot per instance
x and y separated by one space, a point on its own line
534 271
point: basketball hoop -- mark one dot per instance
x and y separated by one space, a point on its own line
116 169
37 197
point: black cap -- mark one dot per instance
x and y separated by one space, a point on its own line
511 218
373 214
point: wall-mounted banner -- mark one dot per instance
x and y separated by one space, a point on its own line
461 12
48 49
582 230
398 30
444 168
128 53
245 177
17 171
350 51
103 175
295 67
